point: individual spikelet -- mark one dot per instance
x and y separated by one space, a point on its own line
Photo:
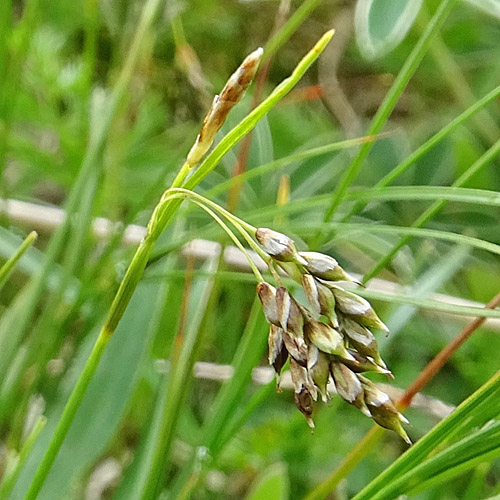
222 104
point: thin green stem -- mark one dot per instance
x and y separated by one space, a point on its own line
91 13
181 175
8 267
249 122
178 31
387 106
479 164
202 199
236 241
243 227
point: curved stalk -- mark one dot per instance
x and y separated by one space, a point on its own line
233 237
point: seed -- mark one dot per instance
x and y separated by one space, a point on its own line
349 386
324 267
326 338
362 340
289 313
383 410
320 298
278 353
358 308
267 295
318 366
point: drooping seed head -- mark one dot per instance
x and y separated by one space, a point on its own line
289 313
325 267
267 295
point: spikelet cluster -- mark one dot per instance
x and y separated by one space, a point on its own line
328 341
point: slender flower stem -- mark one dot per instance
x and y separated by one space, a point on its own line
233 237
191 194
242 226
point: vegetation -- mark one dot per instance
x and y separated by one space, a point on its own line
133 344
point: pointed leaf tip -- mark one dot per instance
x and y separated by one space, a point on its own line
323 42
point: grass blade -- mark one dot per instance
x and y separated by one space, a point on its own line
479 164
419 451
8 267
480 446
179 377
427 146
228 398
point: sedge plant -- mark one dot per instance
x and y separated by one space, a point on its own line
188 177
330 337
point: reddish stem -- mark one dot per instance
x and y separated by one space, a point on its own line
443 356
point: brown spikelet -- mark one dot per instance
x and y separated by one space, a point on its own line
221 105
330 340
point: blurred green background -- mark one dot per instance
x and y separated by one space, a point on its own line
60 62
